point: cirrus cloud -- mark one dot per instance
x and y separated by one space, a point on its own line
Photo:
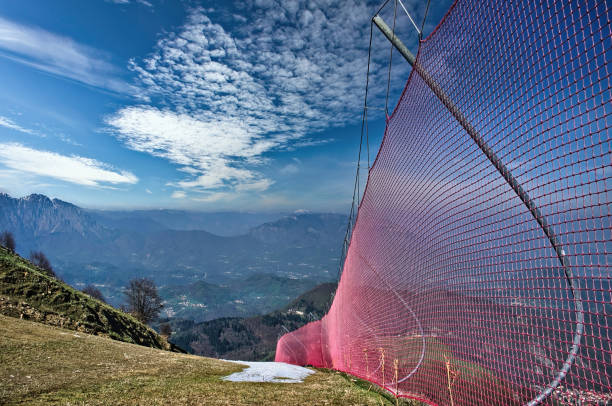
59 55
73 169
8 123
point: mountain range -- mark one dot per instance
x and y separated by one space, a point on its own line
256 266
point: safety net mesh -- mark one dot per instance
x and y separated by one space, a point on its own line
455 289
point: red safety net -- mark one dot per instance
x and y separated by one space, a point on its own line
451 291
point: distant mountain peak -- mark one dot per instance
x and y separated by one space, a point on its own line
304 229
302 211
59 202
36 215
36 197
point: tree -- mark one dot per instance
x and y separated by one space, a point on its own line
94 292
40 260
165 330
143 301
7 240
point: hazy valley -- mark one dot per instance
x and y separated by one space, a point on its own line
256 267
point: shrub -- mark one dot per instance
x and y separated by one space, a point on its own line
94 292
165 330
40 260
7 240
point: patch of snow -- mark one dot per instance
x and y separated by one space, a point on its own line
269 372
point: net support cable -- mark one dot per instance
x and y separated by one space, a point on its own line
516 187
416 27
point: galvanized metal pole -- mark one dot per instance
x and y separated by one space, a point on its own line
516 187
399 45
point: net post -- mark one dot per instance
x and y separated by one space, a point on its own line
397 43
395 376
365 351
382 362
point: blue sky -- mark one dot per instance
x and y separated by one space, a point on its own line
251 105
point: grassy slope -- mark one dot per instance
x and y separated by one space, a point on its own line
28 292
40 364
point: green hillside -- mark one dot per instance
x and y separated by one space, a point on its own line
41 365
28 292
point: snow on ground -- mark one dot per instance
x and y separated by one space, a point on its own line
269 372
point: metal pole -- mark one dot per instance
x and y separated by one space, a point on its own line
521 193
394 40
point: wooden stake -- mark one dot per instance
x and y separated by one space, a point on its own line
448 376
382 361
395 375
365 351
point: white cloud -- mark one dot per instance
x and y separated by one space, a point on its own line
289 169
214 152
143 2
178 194
8 123
73 169
311 143
255 186
58 55
215 197
290 86
227 98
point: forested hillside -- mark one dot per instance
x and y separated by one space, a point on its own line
252 338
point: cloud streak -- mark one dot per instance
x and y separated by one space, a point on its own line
8 123
143 2
74 169
59 55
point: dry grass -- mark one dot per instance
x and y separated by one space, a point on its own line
40 364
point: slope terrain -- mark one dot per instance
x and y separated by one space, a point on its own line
28 292
41 365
